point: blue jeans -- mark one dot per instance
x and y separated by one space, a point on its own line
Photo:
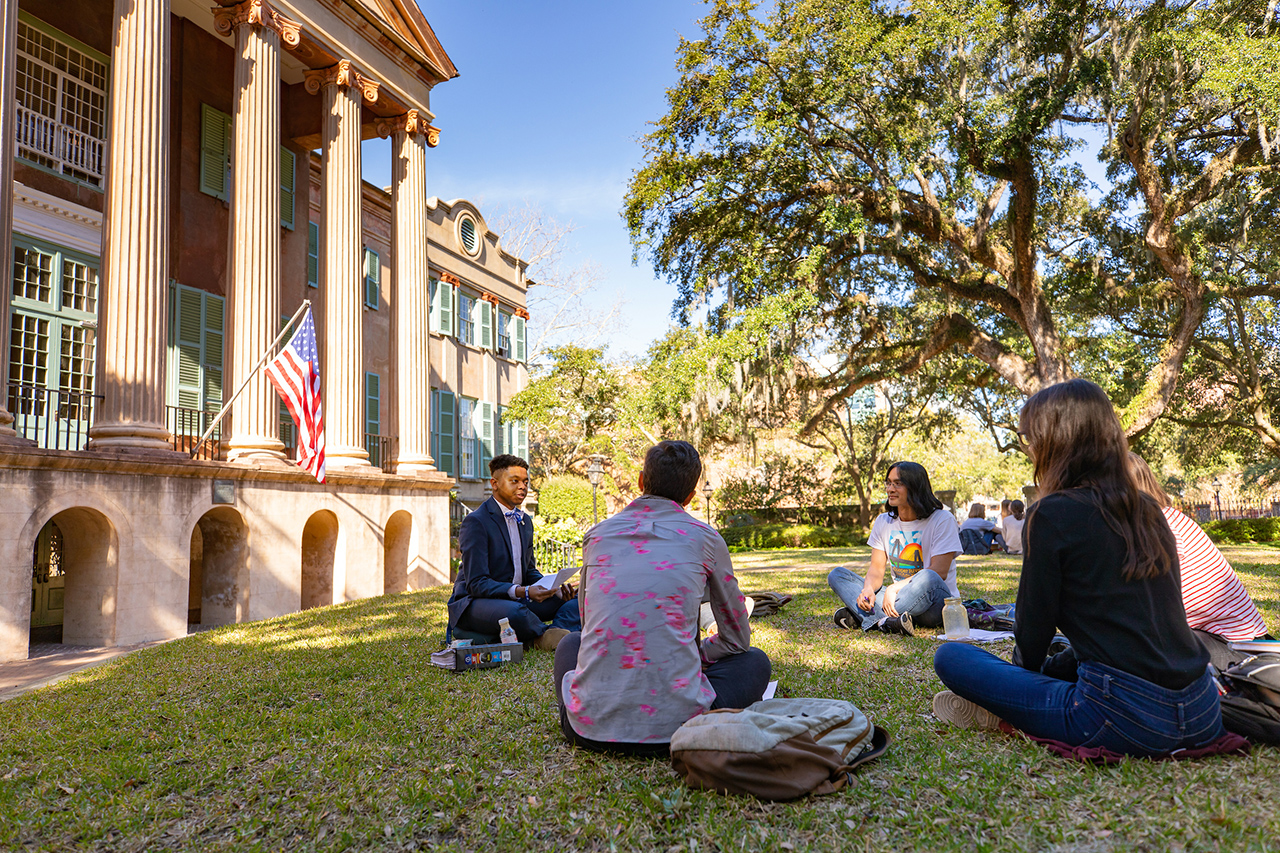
922 597
1105 707
482 616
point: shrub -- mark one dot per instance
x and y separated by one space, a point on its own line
565 496
761 536
1239 531
565 530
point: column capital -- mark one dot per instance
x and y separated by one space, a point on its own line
256 13
411 123
343 74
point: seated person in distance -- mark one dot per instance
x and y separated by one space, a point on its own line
637 672
1012 527
499 569
917 541
987 531
1219 609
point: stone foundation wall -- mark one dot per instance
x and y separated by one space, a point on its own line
127 525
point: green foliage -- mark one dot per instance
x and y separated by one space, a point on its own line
568 531
779 481
565 496
755 537
967 462
1242 531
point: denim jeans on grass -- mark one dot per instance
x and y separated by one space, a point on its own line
1105 707
922 597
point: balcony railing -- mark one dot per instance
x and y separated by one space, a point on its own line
60 146
379 448
187 425
54 419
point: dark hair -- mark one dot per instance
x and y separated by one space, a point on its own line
1147 481
977 511
1076 442
1017 508
671 470
915 479
503 461
1006 504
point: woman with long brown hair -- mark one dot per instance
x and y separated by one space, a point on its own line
1102 567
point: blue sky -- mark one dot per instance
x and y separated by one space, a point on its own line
549 109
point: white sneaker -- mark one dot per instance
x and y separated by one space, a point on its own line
962 713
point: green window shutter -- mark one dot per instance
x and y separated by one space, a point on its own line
288 179
486 323
214 309
446 308
522 439
372 400
313 254
434 286
518 339
188 348
499 424
215 152
486 437
445 431
372 278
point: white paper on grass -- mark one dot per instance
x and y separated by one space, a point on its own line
770 690
559 579
978 635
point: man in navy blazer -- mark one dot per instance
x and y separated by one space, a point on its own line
499 568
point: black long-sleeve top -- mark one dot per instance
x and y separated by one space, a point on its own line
1072 580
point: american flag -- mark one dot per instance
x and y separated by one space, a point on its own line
296 374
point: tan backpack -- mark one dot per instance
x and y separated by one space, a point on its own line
776 749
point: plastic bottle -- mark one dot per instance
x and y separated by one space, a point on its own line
507 634
955 619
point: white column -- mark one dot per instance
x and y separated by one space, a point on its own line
342 382
254 237
135 234
412 295
8 130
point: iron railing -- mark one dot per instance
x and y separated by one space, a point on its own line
54 418
187 425
553 556
379 449
70 151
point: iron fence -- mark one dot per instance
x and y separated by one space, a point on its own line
553 556
187 425
379 450
1206 512
54 418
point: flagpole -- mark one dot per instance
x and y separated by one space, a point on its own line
306 304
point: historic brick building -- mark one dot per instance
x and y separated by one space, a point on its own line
176 178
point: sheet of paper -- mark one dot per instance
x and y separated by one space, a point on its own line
559 578
770 690
978 635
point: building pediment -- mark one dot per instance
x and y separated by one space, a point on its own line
403 19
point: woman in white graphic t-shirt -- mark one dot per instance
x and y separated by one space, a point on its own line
917 540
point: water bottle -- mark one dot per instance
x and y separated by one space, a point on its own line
955 619
507 634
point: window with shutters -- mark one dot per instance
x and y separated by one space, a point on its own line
313 254
467 455
504 333
486 432
215 163
441 307
61 111
53 334
196 331
484 322
443 429
466 318
372 278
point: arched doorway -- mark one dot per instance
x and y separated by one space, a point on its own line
395 552
319 548
218 589
74 578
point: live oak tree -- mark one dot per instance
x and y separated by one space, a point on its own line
922 156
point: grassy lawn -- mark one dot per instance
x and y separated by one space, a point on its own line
328 730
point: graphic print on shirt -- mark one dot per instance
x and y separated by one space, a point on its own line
905 554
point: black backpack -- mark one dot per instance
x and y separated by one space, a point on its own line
1251 705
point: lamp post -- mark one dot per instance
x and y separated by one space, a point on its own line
1217 497
706 493
594 472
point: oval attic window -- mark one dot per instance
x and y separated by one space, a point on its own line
467 230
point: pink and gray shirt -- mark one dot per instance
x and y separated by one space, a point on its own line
639 673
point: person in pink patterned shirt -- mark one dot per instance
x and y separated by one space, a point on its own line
637 671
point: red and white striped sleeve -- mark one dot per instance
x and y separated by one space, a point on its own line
1212 594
